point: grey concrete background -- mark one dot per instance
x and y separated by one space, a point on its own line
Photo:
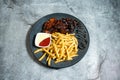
102 19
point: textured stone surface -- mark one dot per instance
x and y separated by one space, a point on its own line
102 19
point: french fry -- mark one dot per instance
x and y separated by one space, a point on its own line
37 50
49 61
58 61
48 58
74 55
69 58
42 57
55 49
62 50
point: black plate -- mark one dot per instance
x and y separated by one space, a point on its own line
81 34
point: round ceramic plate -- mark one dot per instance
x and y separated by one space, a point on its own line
81 34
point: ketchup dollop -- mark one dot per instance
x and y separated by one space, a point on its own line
45 42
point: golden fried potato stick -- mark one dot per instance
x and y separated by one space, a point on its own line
49 61
55 49
37 50
42 57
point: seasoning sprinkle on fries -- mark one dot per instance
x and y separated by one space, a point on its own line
63 47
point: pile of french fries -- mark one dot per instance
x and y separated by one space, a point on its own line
63 47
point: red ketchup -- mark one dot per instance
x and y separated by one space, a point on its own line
45 42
